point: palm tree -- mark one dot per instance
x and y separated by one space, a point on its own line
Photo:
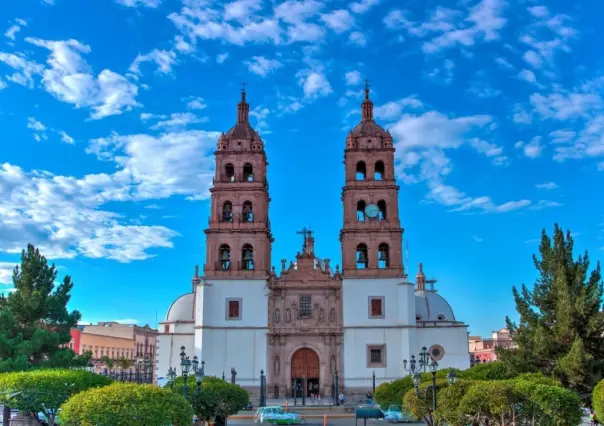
124 364
108 362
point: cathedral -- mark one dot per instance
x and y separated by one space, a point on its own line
306 318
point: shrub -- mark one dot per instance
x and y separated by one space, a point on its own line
218 398
597 399
421 407
392 393
126 404
448 403
488 400
561 406
490 371
45 390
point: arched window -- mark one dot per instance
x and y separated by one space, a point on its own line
361 210
247 213
225 257
361 171
379 171
362 259
248 172
382 207
247 258
227 211
229 172
383 256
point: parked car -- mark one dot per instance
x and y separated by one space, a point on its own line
394 414
277 416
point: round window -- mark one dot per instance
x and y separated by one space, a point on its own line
418 318
441 317
437 352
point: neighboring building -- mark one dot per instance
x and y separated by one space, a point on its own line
115 341
307 320
483 349
76 338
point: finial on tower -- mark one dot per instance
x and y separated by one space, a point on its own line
367 105
420 278
243 108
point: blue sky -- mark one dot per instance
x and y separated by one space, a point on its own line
110 111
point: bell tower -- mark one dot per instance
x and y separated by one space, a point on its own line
372 235
238 238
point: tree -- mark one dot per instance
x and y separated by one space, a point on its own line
107 362
218 399
597 399
392 393
561 319
125 364
34 320
43 391
126 404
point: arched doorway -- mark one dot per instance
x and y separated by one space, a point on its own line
305 372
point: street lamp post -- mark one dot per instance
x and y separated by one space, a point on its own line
171 377
336 386
185 365
415 368
262 389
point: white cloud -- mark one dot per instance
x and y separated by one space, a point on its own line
66 138
69 79
139 3
477 239
6 272
363 6
50 2
357 38
261 114
503 63
544 204
163 59
445 28
3 85
601 166
221 57
352 78
314 84
179 120
196 103
24 69
261 66
38 128
533 149
527 75
546 185
421 142
339 21
12 31
394 109
533 58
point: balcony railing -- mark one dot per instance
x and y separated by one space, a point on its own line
239 178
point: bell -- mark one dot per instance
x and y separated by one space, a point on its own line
247 208
225 255
362 257
248 255
383 255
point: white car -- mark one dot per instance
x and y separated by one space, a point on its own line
277 415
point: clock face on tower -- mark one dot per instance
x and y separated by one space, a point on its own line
372 210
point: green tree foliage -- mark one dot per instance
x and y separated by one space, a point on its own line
45 390
597 399
529 399
561 320
420 407
217 399
392 393
489 371
126 404
34 320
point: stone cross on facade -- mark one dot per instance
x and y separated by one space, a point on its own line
307 234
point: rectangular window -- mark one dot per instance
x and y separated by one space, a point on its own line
376 356
233 309
167 328
376 307
305 306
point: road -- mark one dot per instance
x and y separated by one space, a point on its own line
330 422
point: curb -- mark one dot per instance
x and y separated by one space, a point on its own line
304 416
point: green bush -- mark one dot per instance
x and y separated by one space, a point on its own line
561 406
218 398
448 403
45 390
421 407
126 404
488 400
597 399
392 393
489 371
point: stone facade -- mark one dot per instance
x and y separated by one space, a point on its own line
305 324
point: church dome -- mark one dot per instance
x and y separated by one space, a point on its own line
368 128
181 309
431 306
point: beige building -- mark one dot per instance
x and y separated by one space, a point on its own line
484 349
117 341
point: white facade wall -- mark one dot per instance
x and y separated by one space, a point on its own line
394 330
454 341
224 343
168 351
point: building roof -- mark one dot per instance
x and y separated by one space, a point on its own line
431 306
181 309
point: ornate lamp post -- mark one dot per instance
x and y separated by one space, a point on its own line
185 365
425 362
199 369
262 389
147 372
171 377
